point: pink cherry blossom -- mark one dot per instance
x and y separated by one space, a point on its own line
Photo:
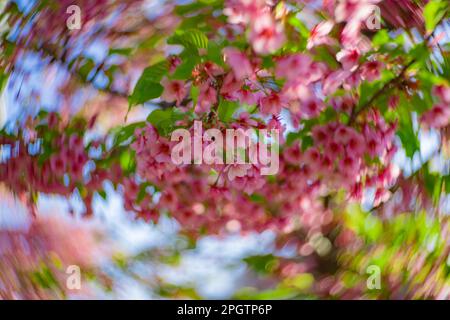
242 11
373 145
237 170
319 34
443 93
349 165
293 67
272 104
230 86
320 135
293 154
355 145
266 35
206 98
174 90
334 81
437 117
238 62
371 71
348 58
311 108
357 10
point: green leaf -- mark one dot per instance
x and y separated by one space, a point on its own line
184 70
121 51
125 133
164 120
262 263
300 26
44 277
433 13
420 53
405 132
126 160
86 69
215 53
381 38
447 183
324 55
307 142
144 92
410 141
190 39
148 86
369 89
227 109
188 8
183 10
195 91
434 184
293 136
102 193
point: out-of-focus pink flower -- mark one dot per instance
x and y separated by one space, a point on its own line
349 165
381 195
266 35
206 98
356 10
237 170
316 72
353 80
174 62
312 157
355 144
312 107
246 120
438 117
293 67
319 34
371 71
374 147
174 90
320 135
334 81
230 86
242 11
293 154
443 93
351 34
343 103
348 58
238 62
248 96
272 104
296 90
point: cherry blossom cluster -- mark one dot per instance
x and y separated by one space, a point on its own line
265 32
351 149
32 163
353 156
